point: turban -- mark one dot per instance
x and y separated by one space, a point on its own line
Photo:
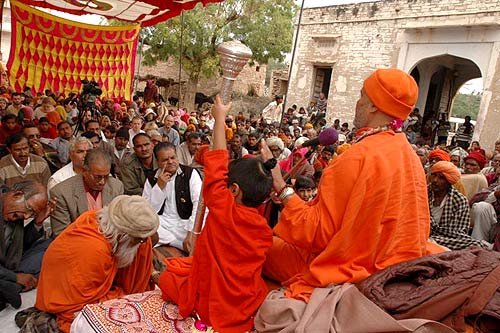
392 91
342 148
275 141
133 216
308 125
478 157
441 154
449 171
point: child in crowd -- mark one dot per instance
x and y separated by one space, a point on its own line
222 282
305 188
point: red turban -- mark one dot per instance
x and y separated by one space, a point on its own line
441 154
478 157
392 91
449 171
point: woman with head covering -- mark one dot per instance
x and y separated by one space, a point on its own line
305 169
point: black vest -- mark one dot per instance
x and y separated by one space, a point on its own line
182 193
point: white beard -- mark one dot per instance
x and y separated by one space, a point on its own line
125 253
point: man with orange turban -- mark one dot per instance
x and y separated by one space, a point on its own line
438 155
449 209
371 210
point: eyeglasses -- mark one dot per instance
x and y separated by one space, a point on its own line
99 178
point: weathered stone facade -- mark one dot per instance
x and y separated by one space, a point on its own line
250 81
345 43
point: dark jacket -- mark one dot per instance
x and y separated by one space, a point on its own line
22 239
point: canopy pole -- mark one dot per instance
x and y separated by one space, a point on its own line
180 58
139 64
283 109
2 2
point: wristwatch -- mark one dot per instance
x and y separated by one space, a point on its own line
288 191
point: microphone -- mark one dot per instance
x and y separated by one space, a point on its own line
326 138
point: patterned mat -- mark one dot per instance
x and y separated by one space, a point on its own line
144 312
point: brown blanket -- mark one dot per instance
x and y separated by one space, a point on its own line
446 287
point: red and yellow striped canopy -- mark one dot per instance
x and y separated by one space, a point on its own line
144 12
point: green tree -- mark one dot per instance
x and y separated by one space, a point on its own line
466 105
264 26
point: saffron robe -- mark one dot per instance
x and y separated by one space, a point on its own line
222 282
79 268
371 212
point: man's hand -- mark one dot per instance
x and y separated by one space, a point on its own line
220 110
45 213
265 152
164 178
37 148
187 244
28 281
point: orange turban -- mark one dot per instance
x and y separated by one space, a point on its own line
342 148
449 171
441 154
392 91
478 157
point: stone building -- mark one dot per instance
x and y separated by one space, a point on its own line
442 43
251 80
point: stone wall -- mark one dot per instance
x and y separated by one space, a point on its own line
250 81
355 39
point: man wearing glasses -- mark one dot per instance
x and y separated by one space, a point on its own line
91 190
21 247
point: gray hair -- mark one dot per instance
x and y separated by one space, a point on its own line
77 141
108 230
29 188
96 155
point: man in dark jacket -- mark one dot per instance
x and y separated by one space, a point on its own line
21 247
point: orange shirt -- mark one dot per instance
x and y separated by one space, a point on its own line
371 212
222 282
78 268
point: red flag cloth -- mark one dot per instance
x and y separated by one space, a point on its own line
145 12
48 52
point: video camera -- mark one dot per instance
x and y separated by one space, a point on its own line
90 90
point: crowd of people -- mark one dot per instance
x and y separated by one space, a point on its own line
92 187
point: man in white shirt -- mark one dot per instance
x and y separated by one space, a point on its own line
136 129
78 148
272 112
174 197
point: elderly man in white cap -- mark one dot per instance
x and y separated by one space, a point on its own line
277 147
103 255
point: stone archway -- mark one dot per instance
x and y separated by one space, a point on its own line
457 54
439 78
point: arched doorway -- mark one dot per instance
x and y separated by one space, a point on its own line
439 79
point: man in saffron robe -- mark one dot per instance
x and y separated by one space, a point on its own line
103 255
371 210
222 282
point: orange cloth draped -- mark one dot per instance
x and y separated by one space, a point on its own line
222 282
78 268
371 212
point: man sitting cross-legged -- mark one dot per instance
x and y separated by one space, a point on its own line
449 209
174 197
103 255
93 189
222 282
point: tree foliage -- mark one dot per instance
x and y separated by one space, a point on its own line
264 26
466 105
